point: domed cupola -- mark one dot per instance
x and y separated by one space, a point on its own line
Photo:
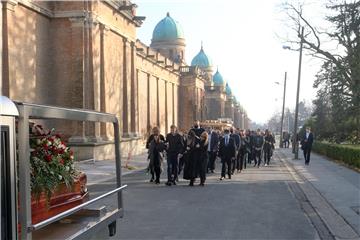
201 60
218 80
168 39
228 90
167 30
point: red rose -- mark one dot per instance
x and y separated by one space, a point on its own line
45 146
61 161
48 158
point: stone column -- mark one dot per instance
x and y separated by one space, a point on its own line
148 104
134 124
126 88
173 103
157 103
78 34
103 32
166 109
7 9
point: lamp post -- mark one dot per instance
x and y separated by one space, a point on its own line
282 115
296 143
295 147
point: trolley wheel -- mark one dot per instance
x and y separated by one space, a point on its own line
112 229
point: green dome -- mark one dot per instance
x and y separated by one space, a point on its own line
201 60
228 89
167 29
218 79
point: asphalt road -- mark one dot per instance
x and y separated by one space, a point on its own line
254 204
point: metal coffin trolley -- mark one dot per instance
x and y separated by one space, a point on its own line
16 222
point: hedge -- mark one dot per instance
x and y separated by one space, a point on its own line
345 153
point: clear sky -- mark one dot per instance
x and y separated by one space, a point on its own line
242 38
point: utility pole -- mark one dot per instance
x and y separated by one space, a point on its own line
282 115
295 135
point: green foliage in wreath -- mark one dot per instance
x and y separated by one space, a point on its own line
52 162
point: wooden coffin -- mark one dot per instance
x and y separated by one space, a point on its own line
61 200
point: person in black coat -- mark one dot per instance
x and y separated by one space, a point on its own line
243 151
258 147
235 163
268 145
155 132
306 144
191 154
197 129
156 149
227 150
174 150
213 148
202 161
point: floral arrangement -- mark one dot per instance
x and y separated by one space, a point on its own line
52 162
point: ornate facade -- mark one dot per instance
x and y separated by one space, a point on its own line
85 54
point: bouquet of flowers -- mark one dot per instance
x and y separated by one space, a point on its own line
52 162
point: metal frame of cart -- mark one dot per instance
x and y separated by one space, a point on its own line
33 111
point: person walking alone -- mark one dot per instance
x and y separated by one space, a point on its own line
306 144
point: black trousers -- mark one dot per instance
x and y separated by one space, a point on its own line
156 168
307 152
257 157
267 155
172 166
212 159
243 159
226 167
234 164
202 167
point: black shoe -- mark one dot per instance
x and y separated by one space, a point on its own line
157 181
168 183
174 182
229 176
152 180
202 184
222 178
191 184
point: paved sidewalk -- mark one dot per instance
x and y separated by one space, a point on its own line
339 185
101 171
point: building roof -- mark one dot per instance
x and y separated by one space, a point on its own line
218 80
167 29
228 89
201 60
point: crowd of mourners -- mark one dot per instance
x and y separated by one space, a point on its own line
194 154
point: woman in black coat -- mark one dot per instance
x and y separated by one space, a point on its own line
202 161
191 154
156 149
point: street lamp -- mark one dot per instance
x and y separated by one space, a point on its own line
295 137
282 115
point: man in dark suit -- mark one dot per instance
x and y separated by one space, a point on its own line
226 153
213 148
235 163
306 144
175 146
